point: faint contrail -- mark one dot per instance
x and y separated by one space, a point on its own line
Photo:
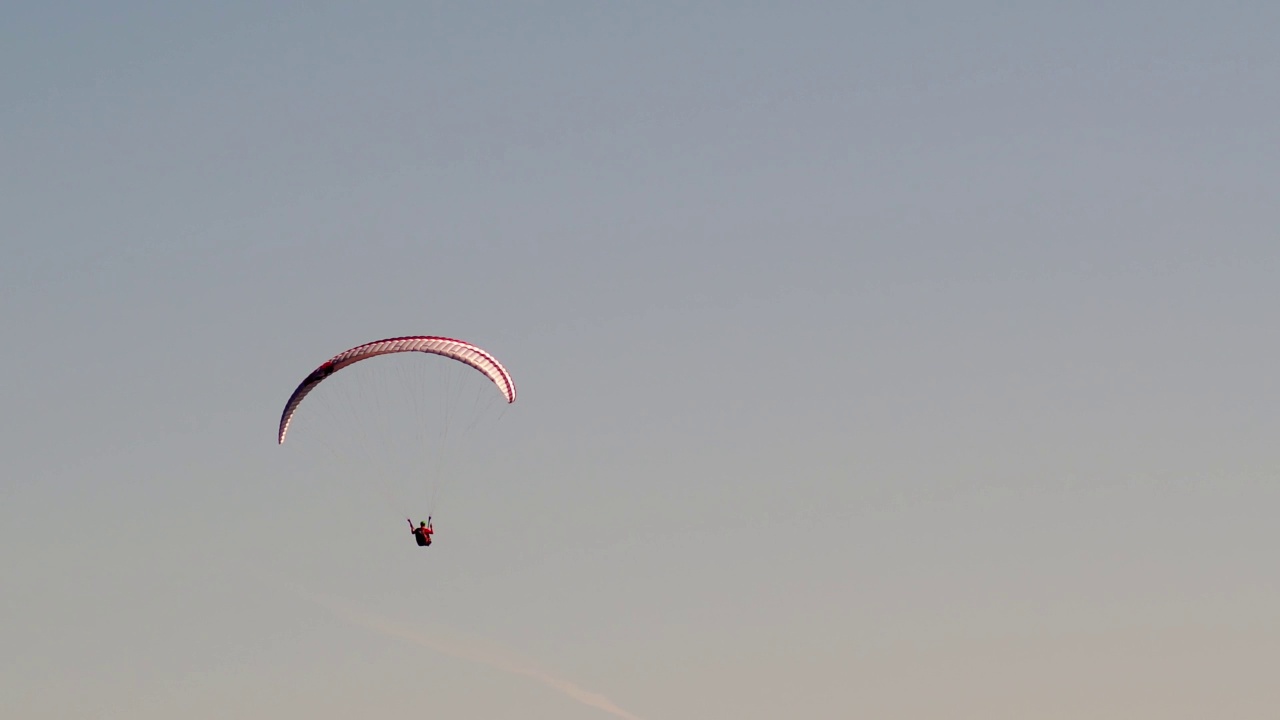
468 651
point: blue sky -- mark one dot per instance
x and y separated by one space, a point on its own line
889 360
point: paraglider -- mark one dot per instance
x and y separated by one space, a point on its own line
367 409
422 534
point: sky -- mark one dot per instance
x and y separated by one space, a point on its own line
888 360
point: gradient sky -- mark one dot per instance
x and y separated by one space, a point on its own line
886 360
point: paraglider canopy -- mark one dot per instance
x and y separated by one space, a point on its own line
448 347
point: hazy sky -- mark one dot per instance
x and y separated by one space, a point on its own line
885 360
